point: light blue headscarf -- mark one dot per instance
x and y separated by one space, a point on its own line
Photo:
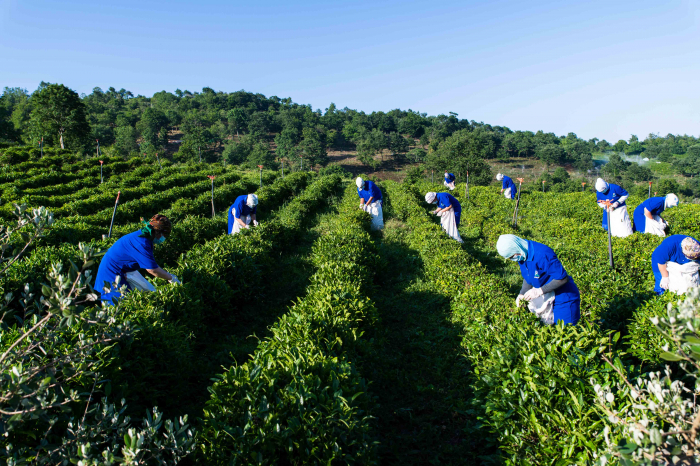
508 245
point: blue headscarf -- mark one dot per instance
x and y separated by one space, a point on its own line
508 245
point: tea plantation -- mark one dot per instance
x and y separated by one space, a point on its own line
312 340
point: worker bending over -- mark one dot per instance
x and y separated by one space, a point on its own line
647 215
675 264
611 198
449 210
450 181
552 294
508 188
371 201
120 265
242 212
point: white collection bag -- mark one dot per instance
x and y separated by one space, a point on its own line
543 307
506 193
619 222
375 210
237 226
656 227
682 277
449 224
451 185
137 282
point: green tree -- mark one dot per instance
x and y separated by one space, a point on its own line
237 120
58 110
550 154
398 144
125 139
151 126
313 147
461 152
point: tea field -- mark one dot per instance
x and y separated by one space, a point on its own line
311 339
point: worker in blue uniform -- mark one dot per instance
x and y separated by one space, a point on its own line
680 249
645 213
242 213
371 201
129 254
508 188
542 273
450 181
612 199
449 210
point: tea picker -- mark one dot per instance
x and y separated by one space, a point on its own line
675 264
508 188
122 262
615 209
551 292
242 213
647 215
449 210
371 201
450 181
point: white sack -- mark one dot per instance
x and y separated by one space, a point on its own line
375 210
619 222
451 185
449 224
543 307
137 282
682 277
506 193
237 226
656 227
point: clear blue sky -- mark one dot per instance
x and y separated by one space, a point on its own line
603 69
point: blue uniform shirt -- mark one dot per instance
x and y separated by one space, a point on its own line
541 267
668 251
655 205
370 190
446 200
241 209
450 177
508 183
613 194
131 252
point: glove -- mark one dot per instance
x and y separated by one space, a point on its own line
615 205
247 227
664 283
255 223
532 294
518 299
362 206
434 212
174 279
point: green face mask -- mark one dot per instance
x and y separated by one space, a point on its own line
159 240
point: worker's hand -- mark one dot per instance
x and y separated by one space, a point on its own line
255 223
362 205
174 279
614 205
518 299
664 283
532 294
247 226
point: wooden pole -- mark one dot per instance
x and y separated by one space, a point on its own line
517 203
114 212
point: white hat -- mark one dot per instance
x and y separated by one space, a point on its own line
671 200
359 182
430 197
600 185
252 200
499 177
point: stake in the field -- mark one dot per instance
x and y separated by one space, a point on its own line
608 210
282 168
302 162
466 188
261 168
213 212
583 187
158 158
650 190
543 181
98 147
114 212
101 179
517 203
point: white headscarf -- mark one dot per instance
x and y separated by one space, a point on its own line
509 245
359 182
670 201
499 177
430 197
601 186
252 200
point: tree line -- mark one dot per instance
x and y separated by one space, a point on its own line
252 129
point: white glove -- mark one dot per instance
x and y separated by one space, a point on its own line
434 212
362 206
532 294
664 283
615 205
247 226
174 279
518 299
255 223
